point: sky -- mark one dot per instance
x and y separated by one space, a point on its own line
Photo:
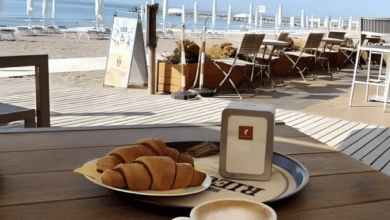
319 8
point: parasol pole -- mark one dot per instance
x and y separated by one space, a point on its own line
182 94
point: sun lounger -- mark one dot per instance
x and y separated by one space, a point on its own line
7 34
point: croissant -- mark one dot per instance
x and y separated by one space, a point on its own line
153 173
150 147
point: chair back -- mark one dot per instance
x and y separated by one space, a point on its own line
313 41
336 35
251 43
283 37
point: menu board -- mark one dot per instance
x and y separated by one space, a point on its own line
126 63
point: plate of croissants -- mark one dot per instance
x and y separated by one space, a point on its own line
149 168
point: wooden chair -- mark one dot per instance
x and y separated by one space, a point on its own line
381 27
349 52
313 42
250 44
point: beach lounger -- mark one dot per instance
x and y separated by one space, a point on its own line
8 33
69 33
250 44
380 26
313 42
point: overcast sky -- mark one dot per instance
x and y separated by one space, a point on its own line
321 8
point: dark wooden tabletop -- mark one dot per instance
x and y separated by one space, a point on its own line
37 179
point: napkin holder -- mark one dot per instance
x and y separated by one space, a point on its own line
246 144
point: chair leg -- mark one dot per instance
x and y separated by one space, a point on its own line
227 76
386 97
354 78
368 76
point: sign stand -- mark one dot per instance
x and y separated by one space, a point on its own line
126 63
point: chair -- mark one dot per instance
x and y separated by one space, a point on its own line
265 60
378 26
250 44
327 51
313 42
352 51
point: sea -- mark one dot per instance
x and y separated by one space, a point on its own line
81 13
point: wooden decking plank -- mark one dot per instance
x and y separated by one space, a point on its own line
362 152
294 118
386 169
322 126
333 142
300 120
365 140
291 114
196 114
307 122
382 160
179 107
318 135
377 152
281 113
135 107
339 131
356 137
314 124
178 115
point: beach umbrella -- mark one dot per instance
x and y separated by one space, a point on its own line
292 21
229 18
276 20
165 10
303 18
44 11
261 19
195 13
280 16
256 17
250 14
30 9
146 14
339 22
183 15
214 16
307 21
152 2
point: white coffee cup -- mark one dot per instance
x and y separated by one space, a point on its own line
229 209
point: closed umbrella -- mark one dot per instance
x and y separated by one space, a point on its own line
195 13
229 18
30 9
183 15
303 18
44 11
53 12
250 14
280 16
214 13
256 17
165 10
99 13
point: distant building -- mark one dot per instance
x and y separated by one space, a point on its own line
174 11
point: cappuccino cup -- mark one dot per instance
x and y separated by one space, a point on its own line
231 209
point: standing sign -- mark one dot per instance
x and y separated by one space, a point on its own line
126 63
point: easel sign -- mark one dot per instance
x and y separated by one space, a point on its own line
126 63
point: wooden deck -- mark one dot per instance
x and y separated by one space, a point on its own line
73 108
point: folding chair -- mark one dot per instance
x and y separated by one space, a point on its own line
250 44
313 42
381 26
265 60
351 51
328 51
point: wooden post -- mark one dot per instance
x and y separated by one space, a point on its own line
151 42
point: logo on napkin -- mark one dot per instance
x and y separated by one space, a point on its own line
245 133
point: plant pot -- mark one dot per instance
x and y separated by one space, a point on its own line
169 76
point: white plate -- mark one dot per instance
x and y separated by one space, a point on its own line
177 192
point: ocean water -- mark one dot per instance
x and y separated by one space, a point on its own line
81 13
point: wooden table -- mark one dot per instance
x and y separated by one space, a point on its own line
37 179
41 64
